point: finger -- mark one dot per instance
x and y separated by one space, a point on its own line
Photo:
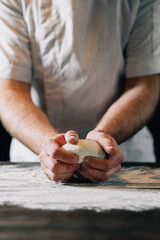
105 141
59 138
55 165
85 175
71 137
68 157
64 168
101 164
114 170
57 177
63 177
58 167
98 175
104 164
55 152
93 173
115 160
47 172
54 143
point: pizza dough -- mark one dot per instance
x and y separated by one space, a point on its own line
85 148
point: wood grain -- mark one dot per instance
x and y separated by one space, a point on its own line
18 223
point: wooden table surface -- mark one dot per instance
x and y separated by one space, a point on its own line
125 207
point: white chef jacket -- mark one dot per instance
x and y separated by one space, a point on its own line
76 55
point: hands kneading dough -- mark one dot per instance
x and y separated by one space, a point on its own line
85 148
64 155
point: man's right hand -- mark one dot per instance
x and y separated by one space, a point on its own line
56 163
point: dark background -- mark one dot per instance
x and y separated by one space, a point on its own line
153 125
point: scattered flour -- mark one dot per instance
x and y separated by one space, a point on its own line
132 189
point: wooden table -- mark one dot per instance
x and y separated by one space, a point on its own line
125 207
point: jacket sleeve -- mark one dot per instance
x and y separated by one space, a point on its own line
15 54
143 48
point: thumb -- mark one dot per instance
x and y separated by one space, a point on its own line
71 137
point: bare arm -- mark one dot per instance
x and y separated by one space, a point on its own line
133 109
125 116
22 119
28 123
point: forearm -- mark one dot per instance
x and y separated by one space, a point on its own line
132 110
22 119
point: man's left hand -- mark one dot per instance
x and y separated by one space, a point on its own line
101 169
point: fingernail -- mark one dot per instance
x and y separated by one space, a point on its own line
72 139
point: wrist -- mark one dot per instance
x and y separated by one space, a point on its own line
103 129
45 136
109 131
50 133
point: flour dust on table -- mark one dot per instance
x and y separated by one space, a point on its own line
25 185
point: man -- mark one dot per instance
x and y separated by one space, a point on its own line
91 66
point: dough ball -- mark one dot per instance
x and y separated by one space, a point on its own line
85 148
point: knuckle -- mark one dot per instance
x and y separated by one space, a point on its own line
121 158
70 176
42 167
71 132
112 150
111 146
92 135
51 140
105 177
110 142
47 176
55 153
54 178
54 167
40 157
119 168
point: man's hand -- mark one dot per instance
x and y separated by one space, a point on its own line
57 164
101 169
